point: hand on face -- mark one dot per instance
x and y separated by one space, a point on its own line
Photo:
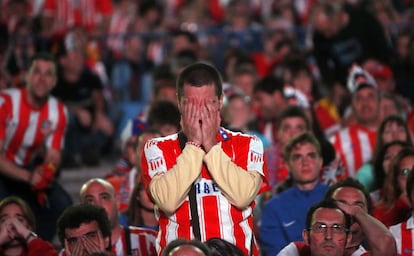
201 121
12 229
86 245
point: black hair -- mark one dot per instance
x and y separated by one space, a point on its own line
269 85
300 139
350 183
410 185
164 112
378 159
79 214
294 111
200 74
221 247
330 204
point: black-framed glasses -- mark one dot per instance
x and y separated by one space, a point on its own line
322 228
405 171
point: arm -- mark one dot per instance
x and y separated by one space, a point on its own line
379 237
170 189
238 185
9 169
272 236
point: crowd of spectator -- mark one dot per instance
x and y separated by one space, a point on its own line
332 79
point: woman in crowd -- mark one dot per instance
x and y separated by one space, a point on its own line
394 206
17 223
392 128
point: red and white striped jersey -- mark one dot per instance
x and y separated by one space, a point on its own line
25 129
354 145
218 217
404 236
143 241
67 13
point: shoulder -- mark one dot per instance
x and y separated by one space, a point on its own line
141 230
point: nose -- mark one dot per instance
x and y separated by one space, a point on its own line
328 233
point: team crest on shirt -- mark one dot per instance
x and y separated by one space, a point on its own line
46 127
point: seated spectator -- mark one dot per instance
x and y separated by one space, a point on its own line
182 246
123 239
283 216
327 229
394 206
402 232
84 229
382 162
16 224
32 132
140 211
352 198
392 128
90 130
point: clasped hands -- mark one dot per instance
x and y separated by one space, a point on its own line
12 228
200 120
86 244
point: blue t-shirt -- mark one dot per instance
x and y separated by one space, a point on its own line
284 217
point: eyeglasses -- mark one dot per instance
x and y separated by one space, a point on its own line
309 156
321 228
405 171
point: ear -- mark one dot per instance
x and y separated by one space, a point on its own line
306 236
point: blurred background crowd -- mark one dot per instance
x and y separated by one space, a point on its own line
118 61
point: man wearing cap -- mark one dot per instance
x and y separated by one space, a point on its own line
354 143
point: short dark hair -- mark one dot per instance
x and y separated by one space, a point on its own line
349 182
300 139
43 56
330 204
269 85
294 111
199 74
182 242
164 112
76 215
221 247
24 207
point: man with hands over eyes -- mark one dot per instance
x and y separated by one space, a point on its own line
225 168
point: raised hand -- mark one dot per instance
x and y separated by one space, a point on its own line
210 122
191 119
5 235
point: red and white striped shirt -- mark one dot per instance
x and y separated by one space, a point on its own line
404 234
67 13
354 145
25 129
142 240
217 216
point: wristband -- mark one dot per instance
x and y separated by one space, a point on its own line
31 234
194 144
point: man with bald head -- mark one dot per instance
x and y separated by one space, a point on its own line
125 240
